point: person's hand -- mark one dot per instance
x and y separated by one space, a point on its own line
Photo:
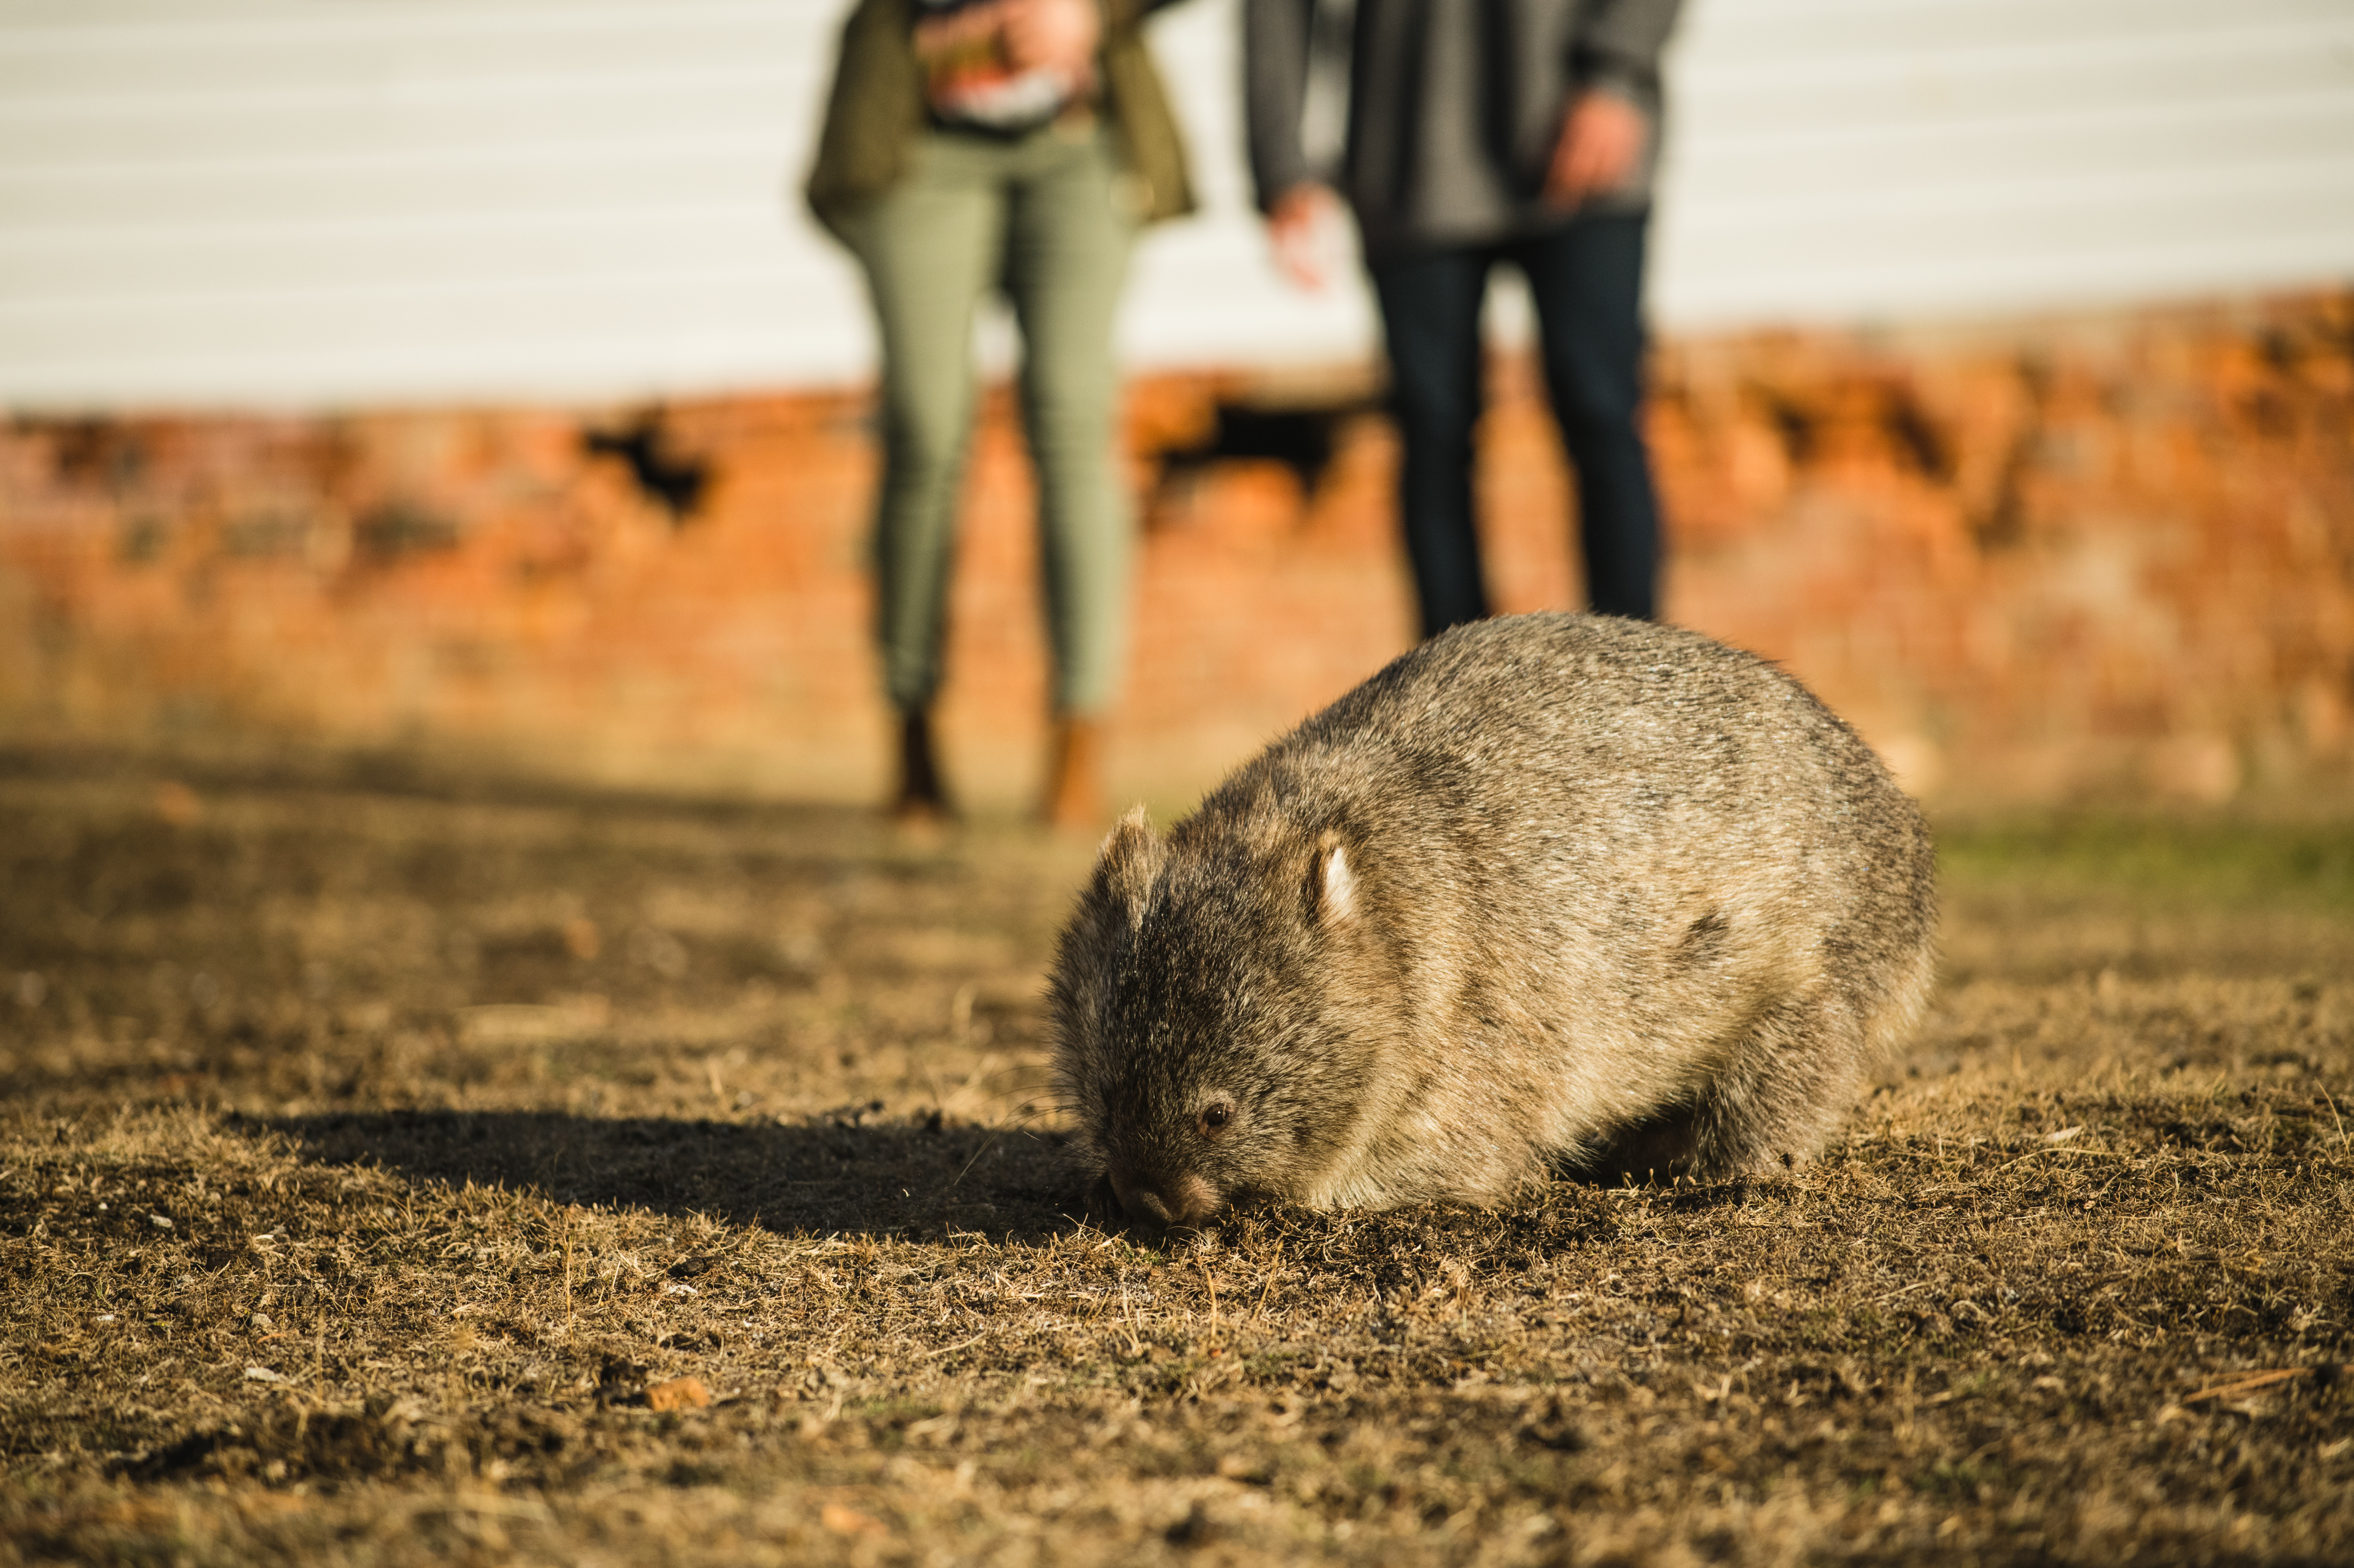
1602 137
1058 36
936 35
1298 225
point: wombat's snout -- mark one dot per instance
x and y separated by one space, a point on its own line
1171 1199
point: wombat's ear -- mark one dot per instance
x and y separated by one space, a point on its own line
1126 864
1331 882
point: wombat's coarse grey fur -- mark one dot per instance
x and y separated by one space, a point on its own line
1551 891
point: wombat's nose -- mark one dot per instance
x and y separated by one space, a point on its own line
1178 1200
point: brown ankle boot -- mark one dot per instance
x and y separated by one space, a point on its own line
1074 798
921 801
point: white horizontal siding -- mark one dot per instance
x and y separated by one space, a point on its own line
305 201
339 201
1841 160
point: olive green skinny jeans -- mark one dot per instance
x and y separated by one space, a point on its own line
1040 215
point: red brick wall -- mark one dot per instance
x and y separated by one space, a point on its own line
2089 556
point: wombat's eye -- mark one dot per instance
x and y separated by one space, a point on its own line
1214 1116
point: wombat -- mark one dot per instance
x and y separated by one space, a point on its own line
1551 891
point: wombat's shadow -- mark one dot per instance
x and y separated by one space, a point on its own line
837 1174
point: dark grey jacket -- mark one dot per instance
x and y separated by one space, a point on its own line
1454 106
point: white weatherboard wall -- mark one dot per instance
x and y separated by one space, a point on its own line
313 202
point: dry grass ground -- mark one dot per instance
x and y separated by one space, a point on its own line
402 1174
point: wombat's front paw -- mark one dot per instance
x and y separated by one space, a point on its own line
1100 1207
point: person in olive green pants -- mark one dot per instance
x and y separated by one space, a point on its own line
1049 212
1041 209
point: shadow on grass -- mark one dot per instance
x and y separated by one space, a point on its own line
841 1175
286 769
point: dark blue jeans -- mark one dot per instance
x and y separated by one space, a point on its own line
1587 280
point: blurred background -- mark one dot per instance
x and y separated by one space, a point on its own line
467 380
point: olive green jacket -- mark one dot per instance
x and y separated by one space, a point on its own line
877 112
